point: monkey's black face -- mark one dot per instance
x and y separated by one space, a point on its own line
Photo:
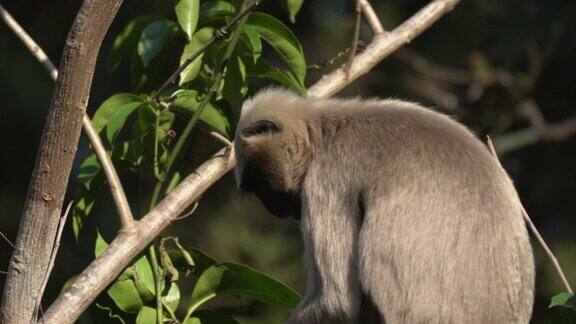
280 204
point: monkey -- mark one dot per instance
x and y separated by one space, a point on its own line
403 211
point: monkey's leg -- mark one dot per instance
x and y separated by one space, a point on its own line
330 232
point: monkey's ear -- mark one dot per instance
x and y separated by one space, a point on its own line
261 127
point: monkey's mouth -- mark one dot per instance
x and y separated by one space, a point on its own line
278 203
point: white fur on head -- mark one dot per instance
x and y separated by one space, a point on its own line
270 94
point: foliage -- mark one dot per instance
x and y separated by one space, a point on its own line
134 290
147 132
564 307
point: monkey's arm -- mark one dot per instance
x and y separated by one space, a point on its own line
330 225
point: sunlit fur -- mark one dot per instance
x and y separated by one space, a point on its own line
400 204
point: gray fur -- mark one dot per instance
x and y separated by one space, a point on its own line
400 204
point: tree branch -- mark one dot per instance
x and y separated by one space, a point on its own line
534 230
355 36
371 17
129 243
382 46
122 206
61 226
540 129
94 279
43 206
7 240
437 72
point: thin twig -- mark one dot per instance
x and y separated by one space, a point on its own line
371 17
435 71
122 206
533 228
118 194
61 225
220 138
356 35
4 272
540 129
190 212
7 240
36 50
220 34
382 46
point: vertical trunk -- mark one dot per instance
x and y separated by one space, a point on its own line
47 187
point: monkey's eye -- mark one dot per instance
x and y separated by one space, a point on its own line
261 127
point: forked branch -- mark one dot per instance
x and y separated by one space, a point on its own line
382 45
122 206
42 210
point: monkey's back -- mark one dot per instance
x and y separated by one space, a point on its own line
442 224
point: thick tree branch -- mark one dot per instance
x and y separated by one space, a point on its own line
382 46
93 280
58 146
61 226
122 206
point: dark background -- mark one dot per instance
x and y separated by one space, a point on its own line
487 61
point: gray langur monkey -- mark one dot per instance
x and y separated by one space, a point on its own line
405 215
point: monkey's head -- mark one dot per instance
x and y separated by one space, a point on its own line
274 144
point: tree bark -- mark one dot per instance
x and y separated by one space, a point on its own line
43 207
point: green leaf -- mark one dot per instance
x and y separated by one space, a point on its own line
207 286
564 299
108 107
210 317
252 39
172 297
187 13
147 315
263 70
147 137
88 170
199 39
123 291
241 281
202 261
175 257
292 6
234 86
143 278
188 101
215 10
118 119
126 296
127 40
153 39
85 197
100 246
282 40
